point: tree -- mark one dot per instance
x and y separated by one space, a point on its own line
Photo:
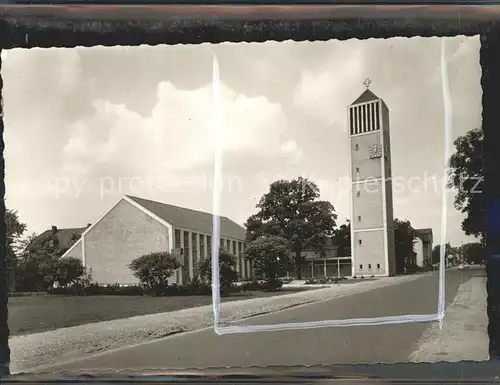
69 270
36 271
466 176
404 240
292 210
154 270
270 257
37 264
436 252
227 270
14 231
342 239
473 252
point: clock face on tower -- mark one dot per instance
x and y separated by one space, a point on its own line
375 151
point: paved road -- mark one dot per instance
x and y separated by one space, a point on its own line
364 344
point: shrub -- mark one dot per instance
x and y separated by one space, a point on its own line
271 285
69 270
286 280
270 258
227 271
250 286
153 270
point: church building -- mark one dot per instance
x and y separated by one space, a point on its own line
372 222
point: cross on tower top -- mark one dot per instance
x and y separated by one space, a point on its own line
367 83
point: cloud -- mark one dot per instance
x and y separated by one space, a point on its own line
178 133
322 94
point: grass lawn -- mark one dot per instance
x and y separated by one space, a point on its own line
33 314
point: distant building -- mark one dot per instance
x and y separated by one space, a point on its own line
423 247
133 227
320 266
57 240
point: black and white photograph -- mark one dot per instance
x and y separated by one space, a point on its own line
345 177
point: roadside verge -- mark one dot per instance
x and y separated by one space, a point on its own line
52 347
464 333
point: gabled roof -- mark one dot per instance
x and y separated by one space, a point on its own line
197 221
365 97
65 237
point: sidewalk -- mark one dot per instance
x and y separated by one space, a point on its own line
50 348
464 331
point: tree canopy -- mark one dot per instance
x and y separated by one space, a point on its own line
473 252
342 239
227 270
293 211
404 240
466 176
14 231
270 257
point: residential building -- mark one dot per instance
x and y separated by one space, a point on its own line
133 227
57 240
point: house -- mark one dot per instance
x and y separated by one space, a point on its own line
133 227
57 240
423 247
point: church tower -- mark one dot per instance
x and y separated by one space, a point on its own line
372 222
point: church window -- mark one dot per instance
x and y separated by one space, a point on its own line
378 265
356 147
359 218
360 267
357 169
369 266
360 242
351 117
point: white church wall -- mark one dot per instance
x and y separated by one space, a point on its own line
368 168
368 205
370 256
418 247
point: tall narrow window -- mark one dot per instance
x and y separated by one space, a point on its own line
359 218
374 123
358 120
377 116
356 147
351 120
365 118
360 241
357 169
368 118
360 267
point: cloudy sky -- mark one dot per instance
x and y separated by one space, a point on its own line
84 126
